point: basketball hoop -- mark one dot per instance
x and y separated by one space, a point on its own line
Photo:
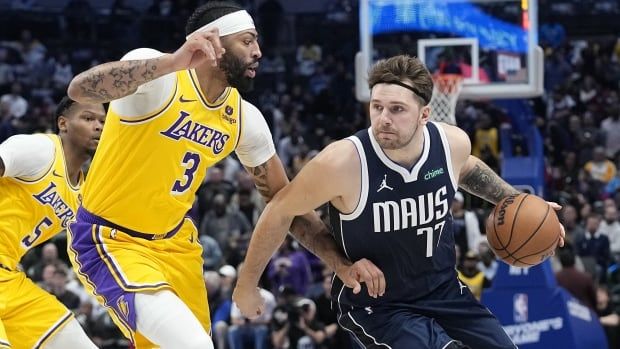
445 95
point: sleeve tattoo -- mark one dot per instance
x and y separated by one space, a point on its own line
260 180
483 182
104 83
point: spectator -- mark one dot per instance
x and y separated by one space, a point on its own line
211 252
588 90
289 267
31 50
471 276
228 275
466 226
49 255
226 225
246 206
608 316
486 141
335 336
610 227
594 246
488 264
569 218
577 283
215 184
600 169
245 183
16 103
220 305
308 56
611 128
59 289
299 328
290 146
63 72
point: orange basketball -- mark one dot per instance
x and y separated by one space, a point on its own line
523 230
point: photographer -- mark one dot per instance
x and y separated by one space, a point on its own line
294 326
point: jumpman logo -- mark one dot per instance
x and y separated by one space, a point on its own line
384 184
462 286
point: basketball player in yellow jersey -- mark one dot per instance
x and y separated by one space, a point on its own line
39 194
171 117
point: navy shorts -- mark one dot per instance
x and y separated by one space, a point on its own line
451 314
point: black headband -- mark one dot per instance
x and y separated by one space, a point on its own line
408 87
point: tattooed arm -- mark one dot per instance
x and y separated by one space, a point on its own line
473 175
479 179
308 229
320 181
114 80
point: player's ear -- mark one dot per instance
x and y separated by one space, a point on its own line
62 123
425 114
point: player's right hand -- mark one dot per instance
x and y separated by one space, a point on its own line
201 47
249 301
363 271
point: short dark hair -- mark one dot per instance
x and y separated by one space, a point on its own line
61 109
209 12
400 69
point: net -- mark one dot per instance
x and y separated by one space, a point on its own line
445 95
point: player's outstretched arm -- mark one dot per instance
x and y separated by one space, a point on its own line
114 80
320 181
308 229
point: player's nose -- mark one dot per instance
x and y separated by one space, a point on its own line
98 125
256 53
385 117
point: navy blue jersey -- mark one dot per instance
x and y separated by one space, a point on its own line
402 222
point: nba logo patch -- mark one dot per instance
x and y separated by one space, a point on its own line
123 307
228 110
520 307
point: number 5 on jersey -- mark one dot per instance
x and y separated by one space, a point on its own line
190 162
29 240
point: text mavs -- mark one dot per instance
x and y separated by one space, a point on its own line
410 212
197 133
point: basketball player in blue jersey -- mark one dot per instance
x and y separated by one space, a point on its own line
40 178
390 188
171 117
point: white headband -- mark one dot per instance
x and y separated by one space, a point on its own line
229 24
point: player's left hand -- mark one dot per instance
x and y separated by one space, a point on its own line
363 271
249 301
557 207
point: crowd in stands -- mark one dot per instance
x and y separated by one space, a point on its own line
305 90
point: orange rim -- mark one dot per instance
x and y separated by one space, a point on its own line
448 83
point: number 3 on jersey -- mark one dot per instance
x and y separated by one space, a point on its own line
190 162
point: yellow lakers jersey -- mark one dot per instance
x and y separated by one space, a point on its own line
147 169
33 211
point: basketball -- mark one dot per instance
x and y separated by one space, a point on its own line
523 230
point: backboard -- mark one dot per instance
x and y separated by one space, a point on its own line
492 44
